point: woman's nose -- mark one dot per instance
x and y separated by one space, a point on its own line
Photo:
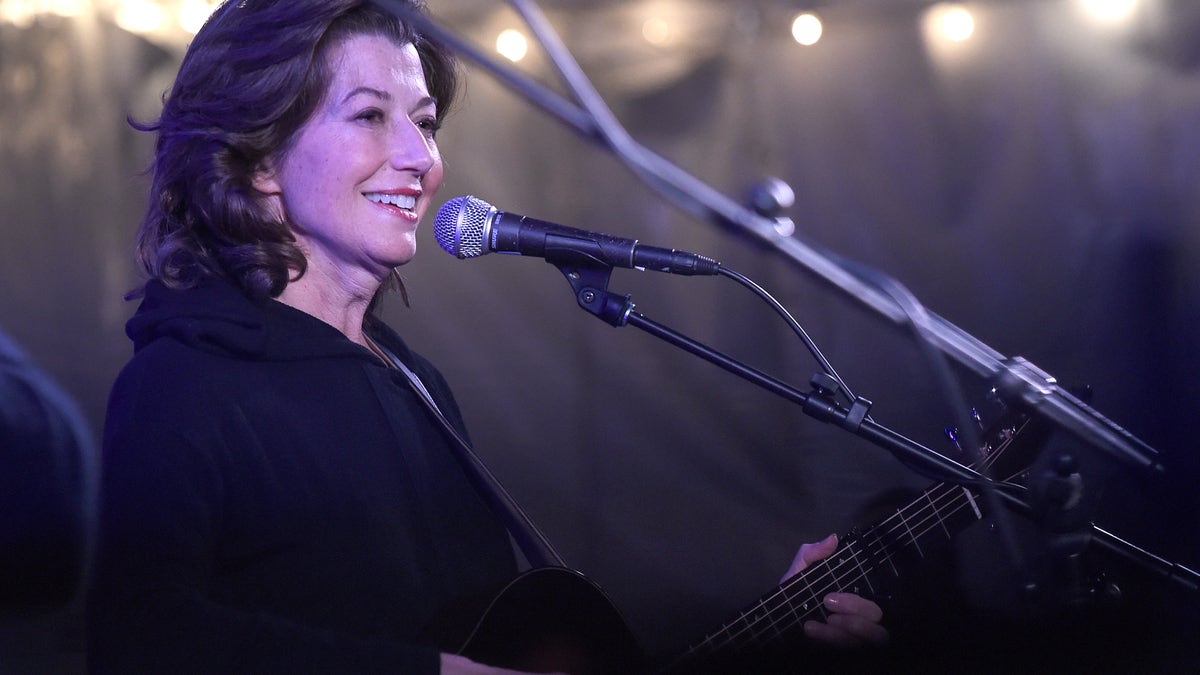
412 150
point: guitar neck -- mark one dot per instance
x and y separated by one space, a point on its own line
868 558
863 561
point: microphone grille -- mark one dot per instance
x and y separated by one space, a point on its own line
458 226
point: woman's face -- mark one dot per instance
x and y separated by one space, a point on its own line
364 168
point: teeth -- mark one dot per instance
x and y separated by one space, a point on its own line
401 201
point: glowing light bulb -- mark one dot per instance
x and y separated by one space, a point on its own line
807 29
23 12
954 22
138 16
193 14
17 12
67 7
511 44
656 31
1110 11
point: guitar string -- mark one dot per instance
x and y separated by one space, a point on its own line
784 599
838 576
933 520
931 506
960 499
837 572
843 574
930 509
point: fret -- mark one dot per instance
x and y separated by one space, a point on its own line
793 616
911 536
777 616
715 642
959 510
774 631
938 515
748 635
883 549
971 500
862 571
814 597
753 637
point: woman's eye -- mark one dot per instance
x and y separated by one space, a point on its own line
370 115
429 125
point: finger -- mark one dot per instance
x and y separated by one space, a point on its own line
843 630
860 630
850 603
829 635
811 553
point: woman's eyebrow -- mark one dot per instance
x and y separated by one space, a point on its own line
381 94
378 93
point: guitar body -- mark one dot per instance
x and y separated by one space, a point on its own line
553 620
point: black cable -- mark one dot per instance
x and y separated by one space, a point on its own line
758 290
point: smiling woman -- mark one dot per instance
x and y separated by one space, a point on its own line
278 497
356 180
207 214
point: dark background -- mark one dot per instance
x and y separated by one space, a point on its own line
1037 186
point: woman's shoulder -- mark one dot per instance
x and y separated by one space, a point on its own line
174 384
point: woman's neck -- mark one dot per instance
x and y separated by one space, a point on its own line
338 305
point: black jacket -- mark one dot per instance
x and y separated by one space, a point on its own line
275 499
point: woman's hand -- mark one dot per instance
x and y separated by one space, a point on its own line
853 620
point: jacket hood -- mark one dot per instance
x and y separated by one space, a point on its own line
216 317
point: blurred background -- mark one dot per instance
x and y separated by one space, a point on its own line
1028 168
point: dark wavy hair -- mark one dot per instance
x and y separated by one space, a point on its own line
251 78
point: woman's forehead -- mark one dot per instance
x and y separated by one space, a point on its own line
377 61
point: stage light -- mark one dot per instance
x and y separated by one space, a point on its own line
656 31
952 22
807 29
138 16
511 44
69 7
1109 11
23 12
948 31
18 12
193 14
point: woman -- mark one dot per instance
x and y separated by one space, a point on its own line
277 496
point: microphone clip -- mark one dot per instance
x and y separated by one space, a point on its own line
589 280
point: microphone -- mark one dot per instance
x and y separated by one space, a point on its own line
468 227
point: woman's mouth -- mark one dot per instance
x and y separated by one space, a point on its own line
406 202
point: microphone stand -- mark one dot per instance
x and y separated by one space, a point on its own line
589 279
590 282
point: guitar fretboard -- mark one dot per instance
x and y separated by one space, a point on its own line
863 560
